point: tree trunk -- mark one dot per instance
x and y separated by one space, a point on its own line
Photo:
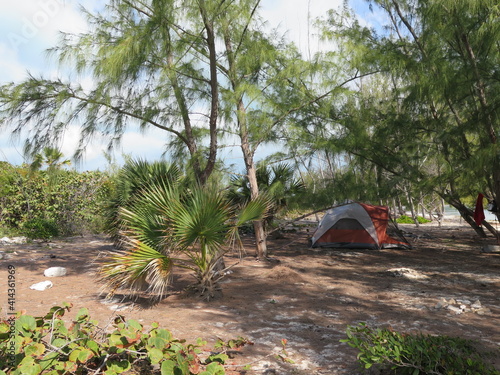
412 207
260 239
258 225
214 95
401 211
248 155
246 147
440 212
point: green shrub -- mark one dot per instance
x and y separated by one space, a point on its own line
36 345
72 200
8 232
423 220
39 228
416 354
405 219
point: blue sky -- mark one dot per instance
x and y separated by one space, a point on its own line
29 27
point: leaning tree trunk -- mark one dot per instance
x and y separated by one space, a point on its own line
468 216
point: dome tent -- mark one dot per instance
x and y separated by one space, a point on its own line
358 226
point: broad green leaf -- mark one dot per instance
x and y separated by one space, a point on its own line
85 355
119 366
92 345
73 356
155 355
220 358
83 313
25 323
213 369
164 334
134 324
167 367
157 342
28 367
35 349
49 360
59 343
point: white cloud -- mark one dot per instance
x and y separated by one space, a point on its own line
373 17
27 29
35 24
10 67
11 153
296 19
148 145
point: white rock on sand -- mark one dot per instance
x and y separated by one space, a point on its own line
43 285
55 272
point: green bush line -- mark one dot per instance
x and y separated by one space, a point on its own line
42 205
398 353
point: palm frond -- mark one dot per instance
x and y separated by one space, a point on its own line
141 268
256 209
135 177
143 223
202 219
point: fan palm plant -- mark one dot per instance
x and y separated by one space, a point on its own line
277 181
168 227
135 176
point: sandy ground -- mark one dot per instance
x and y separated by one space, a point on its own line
306 296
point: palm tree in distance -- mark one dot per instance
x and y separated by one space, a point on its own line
49 157
276 181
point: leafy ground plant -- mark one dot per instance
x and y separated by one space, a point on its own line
34 345
416 354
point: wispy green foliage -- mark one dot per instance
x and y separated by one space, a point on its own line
153 64
428 116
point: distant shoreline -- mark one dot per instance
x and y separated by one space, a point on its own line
456 221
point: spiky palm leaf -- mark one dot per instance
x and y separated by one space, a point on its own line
256 209
148 218
132 179
202 221
140 268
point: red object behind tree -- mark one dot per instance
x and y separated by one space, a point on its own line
479 211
